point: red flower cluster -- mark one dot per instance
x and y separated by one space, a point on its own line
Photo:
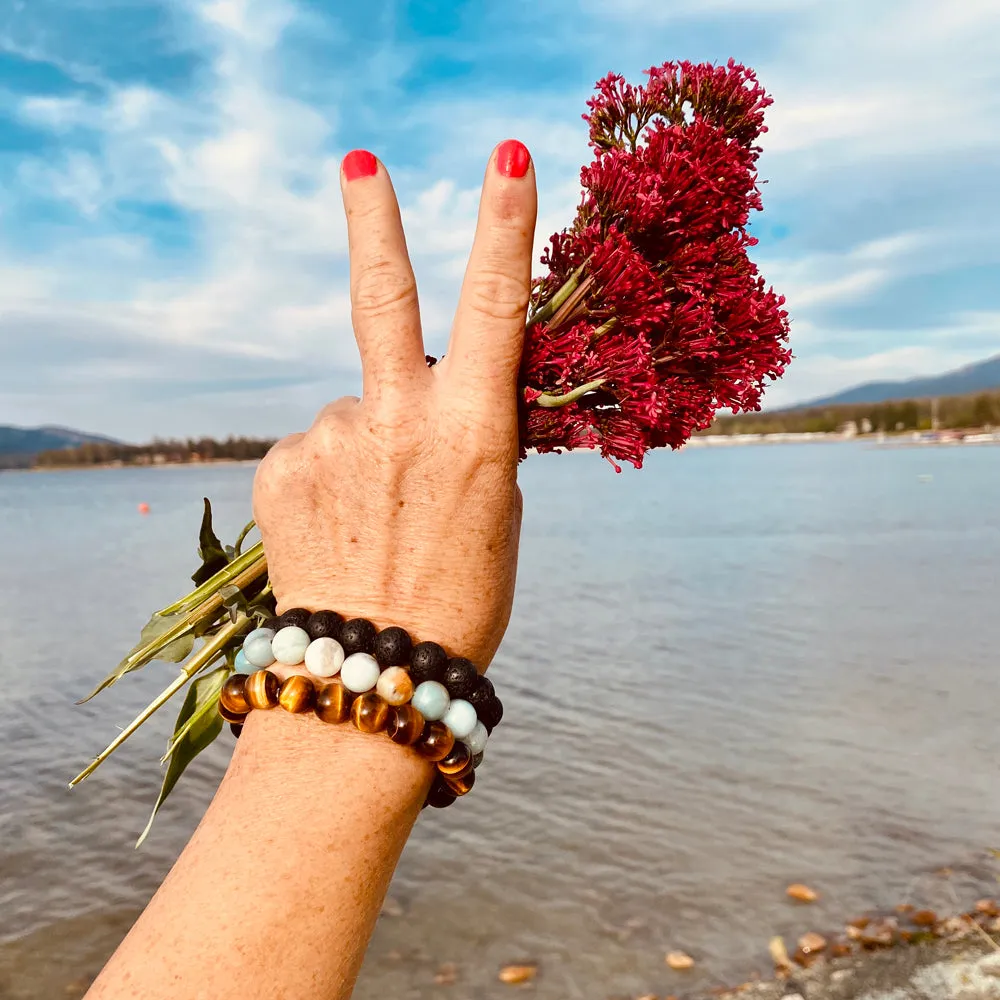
652 316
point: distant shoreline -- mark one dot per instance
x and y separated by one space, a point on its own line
908 439
133 465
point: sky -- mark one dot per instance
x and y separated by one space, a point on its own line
172 243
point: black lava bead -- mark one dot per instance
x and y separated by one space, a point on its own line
273 623
427 662
393 647
295 616
324 624
357 636
440 795
483 694
460 677
490 714
477 759
236 728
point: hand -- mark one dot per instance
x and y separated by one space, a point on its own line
403 507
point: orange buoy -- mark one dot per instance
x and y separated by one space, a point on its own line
144 508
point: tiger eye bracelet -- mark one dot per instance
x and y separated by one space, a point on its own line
380 681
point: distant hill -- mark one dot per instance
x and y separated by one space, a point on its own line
19 444
973 378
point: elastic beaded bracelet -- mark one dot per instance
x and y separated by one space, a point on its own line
416 694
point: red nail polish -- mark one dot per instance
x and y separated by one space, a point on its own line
359 163
513 158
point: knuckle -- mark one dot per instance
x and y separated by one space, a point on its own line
280 465
499 294
382 286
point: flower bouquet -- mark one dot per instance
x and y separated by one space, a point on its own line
651 317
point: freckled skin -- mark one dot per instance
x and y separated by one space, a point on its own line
401 508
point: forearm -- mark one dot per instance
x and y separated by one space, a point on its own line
278 891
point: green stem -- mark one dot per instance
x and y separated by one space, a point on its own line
242 537
214 582
208 653
548 310
551 402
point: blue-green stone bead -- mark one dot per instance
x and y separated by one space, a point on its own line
431 700
257 647
241 663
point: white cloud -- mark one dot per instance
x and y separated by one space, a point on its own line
866 100
963 339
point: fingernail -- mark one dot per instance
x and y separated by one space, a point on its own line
359 163
513 158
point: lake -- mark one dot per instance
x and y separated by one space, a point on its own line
736 669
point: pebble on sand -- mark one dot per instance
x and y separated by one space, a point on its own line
801 893
679 961
811 942
446 974
515 975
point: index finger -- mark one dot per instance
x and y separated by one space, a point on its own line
488 334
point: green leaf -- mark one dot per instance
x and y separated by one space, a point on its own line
140 654
197 726
213 555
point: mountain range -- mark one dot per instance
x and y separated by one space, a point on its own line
973 378
19 444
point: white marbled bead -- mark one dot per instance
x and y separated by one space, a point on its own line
289 645
257 647
360 672
476 740
460 718
431 700
324 657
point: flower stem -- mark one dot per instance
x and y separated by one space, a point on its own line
551 402
208 653
548 309
214 582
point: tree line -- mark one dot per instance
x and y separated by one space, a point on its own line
974 411
157 452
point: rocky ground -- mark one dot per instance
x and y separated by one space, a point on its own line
909 955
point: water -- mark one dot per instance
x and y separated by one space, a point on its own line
739 668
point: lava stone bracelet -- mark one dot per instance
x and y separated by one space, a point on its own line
416 694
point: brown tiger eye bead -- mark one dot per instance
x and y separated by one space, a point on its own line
261 689
297 694
233 695
440 796
435 742
229 715
458 762
369 713
460 784
406 725
333 703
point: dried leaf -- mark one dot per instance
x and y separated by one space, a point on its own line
679 960
779 953
212 554
801 893
200 708
514 975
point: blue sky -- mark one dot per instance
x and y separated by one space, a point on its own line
172 245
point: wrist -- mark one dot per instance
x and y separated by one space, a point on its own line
299 752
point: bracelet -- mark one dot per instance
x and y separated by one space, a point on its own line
416 694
